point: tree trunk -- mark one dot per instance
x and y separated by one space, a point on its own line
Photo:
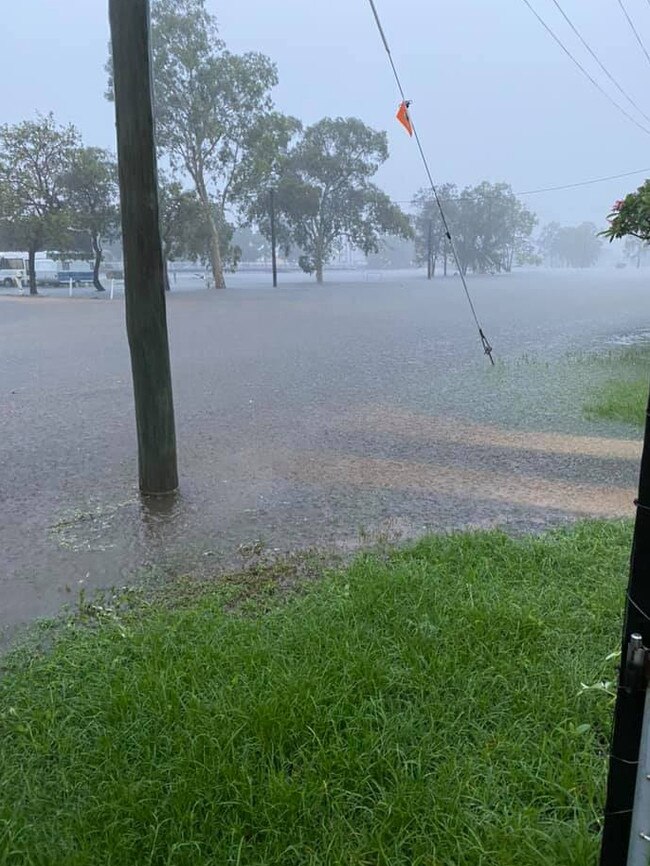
146 321
166 247
319 273
97 249
444 261
215 255
32 272
215 249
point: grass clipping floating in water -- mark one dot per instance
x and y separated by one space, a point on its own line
446 704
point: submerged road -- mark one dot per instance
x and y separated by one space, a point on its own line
305 416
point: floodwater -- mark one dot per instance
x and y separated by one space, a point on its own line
305 416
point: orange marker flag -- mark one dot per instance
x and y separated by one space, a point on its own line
403 116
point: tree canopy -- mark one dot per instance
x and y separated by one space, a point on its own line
630 217
431 243
183 228
214 113
491 228
325 194
92 198
36 157
570 246
635 250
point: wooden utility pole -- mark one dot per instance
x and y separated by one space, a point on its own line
274 258
144 269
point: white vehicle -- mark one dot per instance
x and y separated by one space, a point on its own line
13 270
47 272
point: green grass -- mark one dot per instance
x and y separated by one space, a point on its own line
621 400
424 708
623 397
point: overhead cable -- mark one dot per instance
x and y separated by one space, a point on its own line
637 36
599 61
579 183
585 72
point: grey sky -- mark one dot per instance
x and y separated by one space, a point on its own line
493 96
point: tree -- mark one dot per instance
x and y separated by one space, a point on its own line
431 241
36 157
630 218
91 187
172 203
635 250
184 230
517 226
490 227
214 113
325 194
549 243
570 246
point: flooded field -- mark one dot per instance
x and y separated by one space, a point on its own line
306 416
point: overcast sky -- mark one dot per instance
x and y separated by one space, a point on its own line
493 96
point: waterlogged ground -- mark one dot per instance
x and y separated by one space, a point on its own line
306 416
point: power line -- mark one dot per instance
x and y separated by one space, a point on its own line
585 182
254 197
584 71
487 348
574 185
634 30
599 61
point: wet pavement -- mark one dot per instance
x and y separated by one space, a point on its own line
305 416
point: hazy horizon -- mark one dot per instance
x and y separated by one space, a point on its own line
493 96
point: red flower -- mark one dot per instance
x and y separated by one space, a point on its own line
618 205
